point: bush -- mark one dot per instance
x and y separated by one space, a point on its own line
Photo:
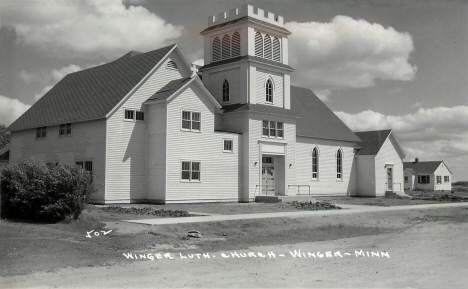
34 191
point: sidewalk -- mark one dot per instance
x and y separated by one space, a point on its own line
347 209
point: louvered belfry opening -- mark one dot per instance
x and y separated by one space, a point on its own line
276 49
267 45
258 44
235 44
216 49
226 47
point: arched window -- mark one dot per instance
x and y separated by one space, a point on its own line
258 44
225 91
235 44
315 163
276 49
216 49
226 47
267 43
339 164
269 91
171 64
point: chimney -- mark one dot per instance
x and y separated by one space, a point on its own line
416 160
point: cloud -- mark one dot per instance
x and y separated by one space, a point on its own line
87 28
200 62
348 53
134 2
58 74
11 109
323 94
439 133
42 92
26 77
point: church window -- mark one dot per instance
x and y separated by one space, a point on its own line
339 165
225 91
315 164
269 91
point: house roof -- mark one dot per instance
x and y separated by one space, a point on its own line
91 93
269 109
5 153
316 119
247 57
372 141
428 167
169 89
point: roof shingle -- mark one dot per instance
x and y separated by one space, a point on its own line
91 93
372 141
423 167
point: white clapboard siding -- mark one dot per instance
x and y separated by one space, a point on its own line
219 170
442 171
388 155
86 143
262 77
327 184
365 181
256 125
156 151
216 81
126 159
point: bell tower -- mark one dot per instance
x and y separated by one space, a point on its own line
246 58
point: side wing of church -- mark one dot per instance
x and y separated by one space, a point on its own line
152 128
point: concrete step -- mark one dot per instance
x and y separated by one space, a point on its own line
267 199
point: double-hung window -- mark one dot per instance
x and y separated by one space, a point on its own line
65 129
446 179
41 132
273 129
190 171
424 179
228 145
87 165
191 120
439 180
134 115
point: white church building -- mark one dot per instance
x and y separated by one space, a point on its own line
152 128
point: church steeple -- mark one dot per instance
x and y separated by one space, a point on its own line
248 48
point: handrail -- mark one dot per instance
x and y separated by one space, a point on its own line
266 191
393 187
298 187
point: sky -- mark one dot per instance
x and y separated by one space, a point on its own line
379 64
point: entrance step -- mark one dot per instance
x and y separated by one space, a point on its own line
267 199
395 193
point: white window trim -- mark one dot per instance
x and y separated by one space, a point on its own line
134 115
276 130
318 164
191 112
222 91
190 175
45 129
84 163
232 146
272 90
340 179
71 130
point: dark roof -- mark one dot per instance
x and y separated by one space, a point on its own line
247 57
316 119
372 141
245 18
269 109
5 153
423 167
169 89
91 93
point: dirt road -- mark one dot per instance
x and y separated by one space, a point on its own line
430 255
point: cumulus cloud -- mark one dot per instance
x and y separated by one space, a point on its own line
58 74
87 28
323 94
439 133
348 53
11 109
38 96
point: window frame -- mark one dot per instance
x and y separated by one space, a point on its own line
269 91
446 179
339 164
134 114
274 128
84 164
191 121
224 145
427 179
41 132
191 170
439 180
65 127
226 90
315 155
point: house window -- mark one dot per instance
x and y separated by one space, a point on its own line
273 129
339 165
228 145
225 91
191 120
446 179
315 164
424 179
406 180
235 44
41 132
439 179
267 160
87 165
190 171
171 65
65 129
132 115
226 47
258 44
269 91
216 49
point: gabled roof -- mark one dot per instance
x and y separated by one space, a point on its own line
372 141
424 167
170 88
245 58
316 119
269 109
91 93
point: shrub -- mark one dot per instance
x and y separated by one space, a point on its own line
34 191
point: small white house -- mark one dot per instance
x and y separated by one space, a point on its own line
430 176
379 163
